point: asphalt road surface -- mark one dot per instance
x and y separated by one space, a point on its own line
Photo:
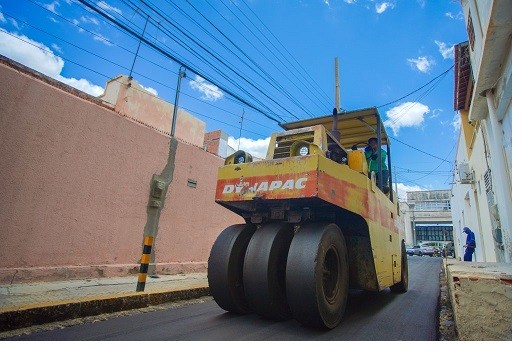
381 316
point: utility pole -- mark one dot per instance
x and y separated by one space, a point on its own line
337 86
138 48
240 131
412 207
158 189
337 107
395 178
182 74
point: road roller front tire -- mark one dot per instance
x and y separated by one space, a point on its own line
317 275
225 268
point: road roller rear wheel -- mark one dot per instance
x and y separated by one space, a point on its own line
225 268
402 286
317 275
265 270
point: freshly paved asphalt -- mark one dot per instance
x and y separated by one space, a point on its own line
383 316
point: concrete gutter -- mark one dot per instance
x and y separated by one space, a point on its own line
29 316
25 305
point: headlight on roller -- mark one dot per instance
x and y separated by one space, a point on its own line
304 148
238 158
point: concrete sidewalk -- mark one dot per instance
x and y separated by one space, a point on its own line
24 305
481 299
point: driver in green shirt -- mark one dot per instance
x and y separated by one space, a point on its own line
371 154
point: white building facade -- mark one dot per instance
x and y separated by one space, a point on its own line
482 190
427 217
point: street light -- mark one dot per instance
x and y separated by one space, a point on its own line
412 206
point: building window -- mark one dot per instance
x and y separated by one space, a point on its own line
437 233
443 205
470 32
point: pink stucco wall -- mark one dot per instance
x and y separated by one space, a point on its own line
74 185
128 98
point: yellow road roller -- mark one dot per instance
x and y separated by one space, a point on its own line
318 222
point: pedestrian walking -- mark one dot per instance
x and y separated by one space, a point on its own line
470 244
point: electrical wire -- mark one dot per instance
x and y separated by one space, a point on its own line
172 57
213 55
226 111
250 106
202 58
137 73
417 149
418 89
50 52
275 47
439 165
259 71
220 121
298 64
107 60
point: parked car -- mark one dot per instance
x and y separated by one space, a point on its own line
410 250
415 250
430 251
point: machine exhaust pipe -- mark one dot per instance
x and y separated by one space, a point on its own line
335 132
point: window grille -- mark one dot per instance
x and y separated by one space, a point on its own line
470 32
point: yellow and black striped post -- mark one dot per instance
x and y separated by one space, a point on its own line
144 263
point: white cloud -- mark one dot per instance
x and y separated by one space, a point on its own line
53 19
446 52
456 122
407 114
40 58
56 47
326 2
402 190
149 89
12 20
422 63
52 6
77 23
210 91
435 113
87 19
350 1
422 3
83 85
100 38
380 8
30 53
105 6
14 23
458 16
256 148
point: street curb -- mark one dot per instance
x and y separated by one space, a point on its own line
447 324
20 317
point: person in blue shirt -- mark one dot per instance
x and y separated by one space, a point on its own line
470 244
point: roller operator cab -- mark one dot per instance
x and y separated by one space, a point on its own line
317 223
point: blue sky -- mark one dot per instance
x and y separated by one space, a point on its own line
277 57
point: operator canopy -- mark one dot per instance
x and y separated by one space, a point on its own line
355 127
